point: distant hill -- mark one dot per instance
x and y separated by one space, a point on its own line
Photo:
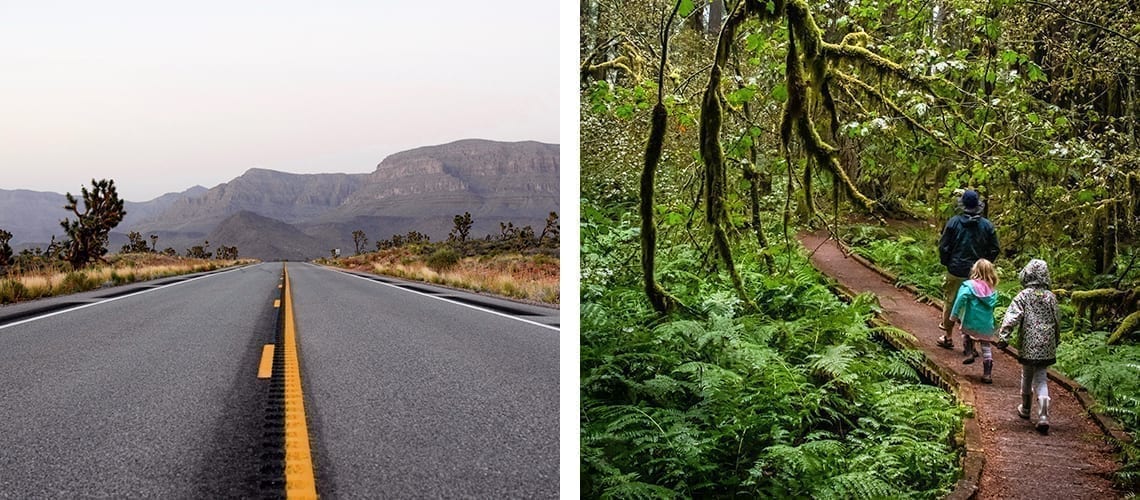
269 239
31 216
421 189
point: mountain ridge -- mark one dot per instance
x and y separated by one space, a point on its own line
420 189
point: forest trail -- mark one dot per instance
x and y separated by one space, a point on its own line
1073 461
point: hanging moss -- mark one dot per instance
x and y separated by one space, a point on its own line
753 177
631 62
711 153
661 301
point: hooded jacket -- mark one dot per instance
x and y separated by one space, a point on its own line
966 238
1034 310
974 308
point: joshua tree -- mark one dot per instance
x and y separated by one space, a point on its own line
88 233
5 250
462 228
551 229
360 240
137 243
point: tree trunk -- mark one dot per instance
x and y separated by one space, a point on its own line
716 16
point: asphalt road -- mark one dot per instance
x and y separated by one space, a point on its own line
410 396
155 395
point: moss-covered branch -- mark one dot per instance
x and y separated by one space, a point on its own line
661 300
847 80
1123 301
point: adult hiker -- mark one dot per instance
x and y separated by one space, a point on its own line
966 238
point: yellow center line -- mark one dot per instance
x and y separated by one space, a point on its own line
299 481
265 369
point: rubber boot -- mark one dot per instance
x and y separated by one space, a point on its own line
1023 408
987 369
1043 415
971 353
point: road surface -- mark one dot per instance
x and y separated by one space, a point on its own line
120 394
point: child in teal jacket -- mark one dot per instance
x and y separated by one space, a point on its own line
974 310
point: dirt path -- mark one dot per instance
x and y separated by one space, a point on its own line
1073 461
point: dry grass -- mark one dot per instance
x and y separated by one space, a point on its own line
528 277
119 270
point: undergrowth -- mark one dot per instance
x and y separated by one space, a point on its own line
796 399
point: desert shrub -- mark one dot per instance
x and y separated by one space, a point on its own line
12 291
75 282
443 259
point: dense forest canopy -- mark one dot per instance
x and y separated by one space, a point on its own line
712 131
1032 102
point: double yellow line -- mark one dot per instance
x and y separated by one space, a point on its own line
299 480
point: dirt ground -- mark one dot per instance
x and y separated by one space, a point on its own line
1072 461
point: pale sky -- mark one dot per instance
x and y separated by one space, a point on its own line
161 96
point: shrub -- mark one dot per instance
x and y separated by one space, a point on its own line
12 291
443 259
74 282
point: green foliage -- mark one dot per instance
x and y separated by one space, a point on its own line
442 259
795 399
75 282
1112 376
12 291
911 255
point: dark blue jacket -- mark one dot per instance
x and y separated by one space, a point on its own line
965 239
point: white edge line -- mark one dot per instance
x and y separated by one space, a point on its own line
112 299
477 308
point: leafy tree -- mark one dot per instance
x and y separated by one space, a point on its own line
360 240
88 233
170 252
462 228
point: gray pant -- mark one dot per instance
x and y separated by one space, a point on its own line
1034 380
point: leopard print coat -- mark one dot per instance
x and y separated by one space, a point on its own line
1034 310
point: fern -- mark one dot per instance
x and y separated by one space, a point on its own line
859 484
793 399
637 490
835 362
